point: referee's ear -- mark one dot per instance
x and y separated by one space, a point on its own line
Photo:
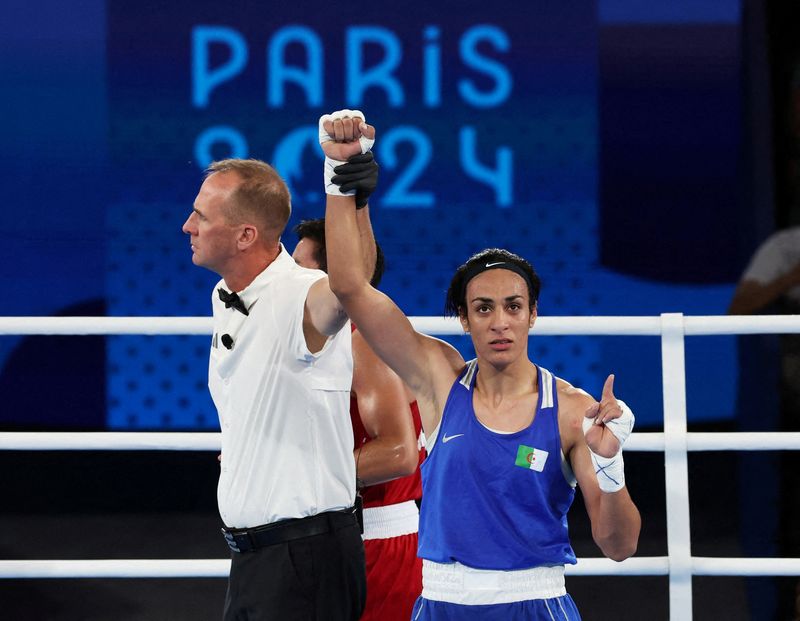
247 237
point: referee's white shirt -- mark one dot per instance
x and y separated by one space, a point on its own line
287 441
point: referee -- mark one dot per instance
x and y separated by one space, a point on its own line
280 373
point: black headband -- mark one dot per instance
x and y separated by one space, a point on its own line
487 264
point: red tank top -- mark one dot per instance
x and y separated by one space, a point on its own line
399 490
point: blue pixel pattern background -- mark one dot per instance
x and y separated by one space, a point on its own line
503 130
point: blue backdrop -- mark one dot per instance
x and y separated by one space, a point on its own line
599 140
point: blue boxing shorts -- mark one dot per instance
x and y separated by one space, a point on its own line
552 609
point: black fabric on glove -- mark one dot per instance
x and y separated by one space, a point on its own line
360 173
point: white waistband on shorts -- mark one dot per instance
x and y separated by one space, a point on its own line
459 584
391 520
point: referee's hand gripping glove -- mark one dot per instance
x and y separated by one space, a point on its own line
360 173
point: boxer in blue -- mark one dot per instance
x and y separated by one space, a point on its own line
507 440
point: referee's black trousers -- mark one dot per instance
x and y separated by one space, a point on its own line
316 578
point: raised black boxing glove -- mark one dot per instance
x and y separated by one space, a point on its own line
360 173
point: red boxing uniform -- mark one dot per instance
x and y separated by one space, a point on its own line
391 521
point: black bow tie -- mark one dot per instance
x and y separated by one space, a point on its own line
232 300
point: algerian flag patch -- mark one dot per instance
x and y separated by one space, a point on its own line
531 458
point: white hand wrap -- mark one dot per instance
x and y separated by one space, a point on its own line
330 164
610 471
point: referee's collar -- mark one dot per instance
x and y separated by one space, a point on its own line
282 264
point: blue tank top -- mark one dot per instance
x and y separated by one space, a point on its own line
492 500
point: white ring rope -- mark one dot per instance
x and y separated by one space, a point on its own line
85 326
220 568
675 442
130 568
210 441
545 326
109 441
